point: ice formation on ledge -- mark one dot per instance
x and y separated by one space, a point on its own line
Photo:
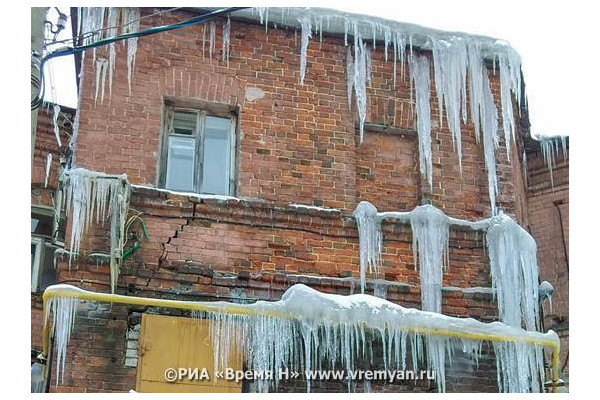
91 197
430 228
419 71
514 269
308 330
370 239
430 232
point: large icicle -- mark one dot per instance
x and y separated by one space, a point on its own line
450 68
514 270
306 34
510 84
419 71
489 121
90 197
430 230
370 239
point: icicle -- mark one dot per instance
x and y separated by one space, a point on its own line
489 117
349 76
101 67
550 146
360 80
113 21
211 38
133 22
305 40
450 67
430 230
419 70
514 270
226 40
85 192
510 84
55 115
476 88
370 239
48 165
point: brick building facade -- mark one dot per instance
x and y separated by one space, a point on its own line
299 172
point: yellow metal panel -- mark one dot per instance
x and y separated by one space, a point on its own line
175 342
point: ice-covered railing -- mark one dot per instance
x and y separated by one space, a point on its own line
309 330
512 252
95 197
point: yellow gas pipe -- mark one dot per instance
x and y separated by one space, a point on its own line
240 310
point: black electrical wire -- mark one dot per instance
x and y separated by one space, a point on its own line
103 42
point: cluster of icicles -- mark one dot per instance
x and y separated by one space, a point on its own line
94 197
512 252
96 23
307 330
551 147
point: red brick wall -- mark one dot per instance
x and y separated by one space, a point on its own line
548 209
297 144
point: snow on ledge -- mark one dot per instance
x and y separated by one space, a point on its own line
311 207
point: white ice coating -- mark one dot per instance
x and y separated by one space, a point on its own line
310 330
551 146
370 239
430 233
419 71
91 197
514 269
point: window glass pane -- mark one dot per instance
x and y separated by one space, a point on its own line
180 164
184 123
217 153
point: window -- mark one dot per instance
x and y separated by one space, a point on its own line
198 151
